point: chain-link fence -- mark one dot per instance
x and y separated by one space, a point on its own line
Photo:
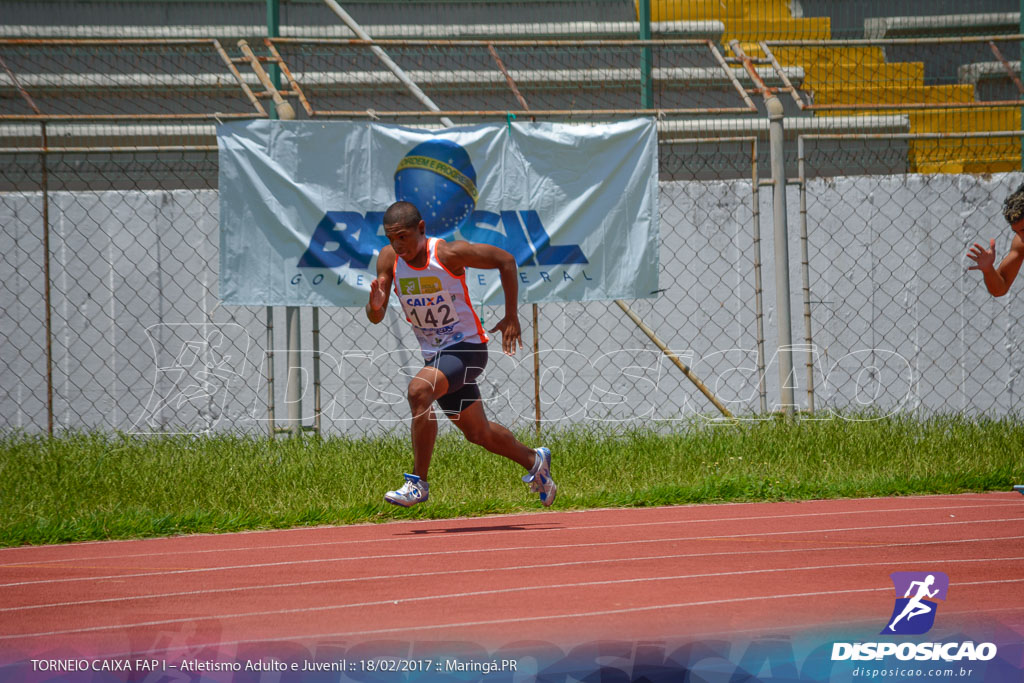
126 331
891 316
109 208
136 339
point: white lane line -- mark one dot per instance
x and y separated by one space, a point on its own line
263 565
629 610
451 572
493 591
983 496
503 532
494 622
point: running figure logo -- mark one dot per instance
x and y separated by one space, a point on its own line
914 612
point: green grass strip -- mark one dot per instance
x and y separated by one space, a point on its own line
80 487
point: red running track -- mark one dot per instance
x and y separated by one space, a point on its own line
559 577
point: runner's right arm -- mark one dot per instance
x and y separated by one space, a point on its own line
380 288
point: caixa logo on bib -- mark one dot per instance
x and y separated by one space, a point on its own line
437 177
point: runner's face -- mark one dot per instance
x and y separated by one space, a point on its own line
1018 228
407 241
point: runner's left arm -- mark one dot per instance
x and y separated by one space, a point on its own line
457 256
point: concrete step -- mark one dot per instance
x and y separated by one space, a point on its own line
946 120
975 166
980 23
688 10
917 94
977 72
770 9
818 75
754 29
973 119
829 55
966 148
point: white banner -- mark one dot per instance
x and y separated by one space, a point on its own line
301 204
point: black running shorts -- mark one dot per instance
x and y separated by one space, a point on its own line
461 364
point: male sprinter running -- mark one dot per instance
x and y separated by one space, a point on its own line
429 278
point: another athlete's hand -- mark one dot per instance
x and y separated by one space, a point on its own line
510 333
984 258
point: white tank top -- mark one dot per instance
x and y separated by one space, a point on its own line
436 303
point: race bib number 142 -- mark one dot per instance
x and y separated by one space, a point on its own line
430 311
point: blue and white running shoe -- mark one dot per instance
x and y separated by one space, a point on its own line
539 478
413 491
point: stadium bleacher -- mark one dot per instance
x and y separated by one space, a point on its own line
709 29
992 81
971 73
976 23
844 88
848 17
919 81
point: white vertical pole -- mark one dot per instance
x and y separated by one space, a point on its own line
785 322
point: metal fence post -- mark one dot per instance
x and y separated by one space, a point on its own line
778 163
293 395
48 293
316 371
536 311
805 274
755 186
273 30
646 56
271 420
293 319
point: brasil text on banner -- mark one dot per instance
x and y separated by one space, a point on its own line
301 206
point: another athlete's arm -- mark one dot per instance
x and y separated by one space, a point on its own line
380 288
998 279
457 256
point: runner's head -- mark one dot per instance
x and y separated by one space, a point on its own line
1013 208
405 229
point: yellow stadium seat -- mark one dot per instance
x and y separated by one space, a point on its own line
860 75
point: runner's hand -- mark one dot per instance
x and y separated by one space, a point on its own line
984 258
510 334
377 295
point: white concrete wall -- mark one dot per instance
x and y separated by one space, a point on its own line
140 342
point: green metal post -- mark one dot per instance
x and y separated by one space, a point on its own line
646 58
273 31
293 320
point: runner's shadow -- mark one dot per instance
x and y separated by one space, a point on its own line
483 529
